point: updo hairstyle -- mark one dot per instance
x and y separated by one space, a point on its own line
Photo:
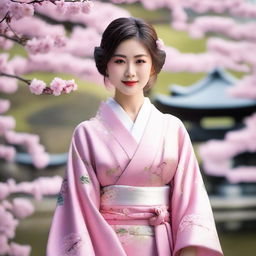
123 29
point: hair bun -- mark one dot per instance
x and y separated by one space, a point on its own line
100 60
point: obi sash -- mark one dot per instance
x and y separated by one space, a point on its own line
122 204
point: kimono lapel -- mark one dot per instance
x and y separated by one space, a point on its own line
148 147
117 129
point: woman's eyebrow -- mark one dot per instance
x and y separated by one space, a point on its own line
136 56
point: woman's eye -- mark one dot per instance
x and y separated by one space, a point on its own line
140 61
119 61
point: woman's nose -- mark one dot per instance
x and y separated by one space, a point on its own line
130 71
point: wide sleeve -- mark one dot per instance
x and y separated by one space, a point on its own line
77 227
191 214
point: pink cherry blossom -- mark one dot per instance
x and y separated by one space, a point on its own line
3 61
245 88
14 137
7 223
4 189
160 44
4 247
4 105
57 85
73 8
5 44
61 6
4 7
86 6
19 250
37 86
60 41
8 85
8 153
242 174
43 45
22 208
36 28
7 205
41 160
18 11
70 86
6 123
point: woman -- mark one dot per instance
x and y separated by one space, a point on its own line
132 186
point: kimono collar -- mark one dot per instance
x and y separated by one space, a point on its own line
135 128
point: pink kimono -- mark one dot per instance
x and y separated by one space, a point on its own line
122 197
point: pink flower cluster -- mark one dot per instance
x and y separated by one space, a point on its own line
38 188
160 44
73 8
89 35
8 85
57 86
3 62
7 152
4 105
6 123
217 154
19 250
19 208
58 62
37 86
200 62
36 27
31 142
16 10
222 25
44 45
106 11
7 223
245 88
235 7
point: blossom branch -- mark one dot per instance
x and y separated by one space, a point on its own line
6 17
53 1
15 39
57 86
32 2
27 81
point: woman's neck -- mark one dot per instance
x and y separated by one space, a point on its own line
130 104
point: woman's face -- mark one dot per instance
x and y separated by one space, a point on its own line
130 67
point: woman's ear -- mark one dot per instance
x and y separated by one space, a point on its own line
152 72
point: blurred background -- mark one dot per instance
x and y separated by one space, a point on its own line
208 81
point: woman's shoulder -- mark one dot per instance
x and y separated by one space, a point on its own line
174 120
85 125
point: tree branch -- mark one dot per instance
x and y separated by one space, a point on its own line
19 41
27 81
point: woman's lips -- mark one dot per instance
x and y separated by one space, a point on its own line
130 83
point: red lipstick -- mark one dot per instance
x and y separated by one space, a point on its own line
130 83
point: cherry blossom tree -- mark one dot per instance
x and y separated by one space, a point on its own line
49 49
13 211
38 26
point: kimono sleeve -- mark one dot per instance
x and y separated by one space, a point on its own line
192 218
77 227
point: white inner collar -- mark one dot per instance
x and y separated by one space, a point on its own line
136 128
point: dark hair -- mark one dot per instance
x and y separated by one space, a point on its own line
122 29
